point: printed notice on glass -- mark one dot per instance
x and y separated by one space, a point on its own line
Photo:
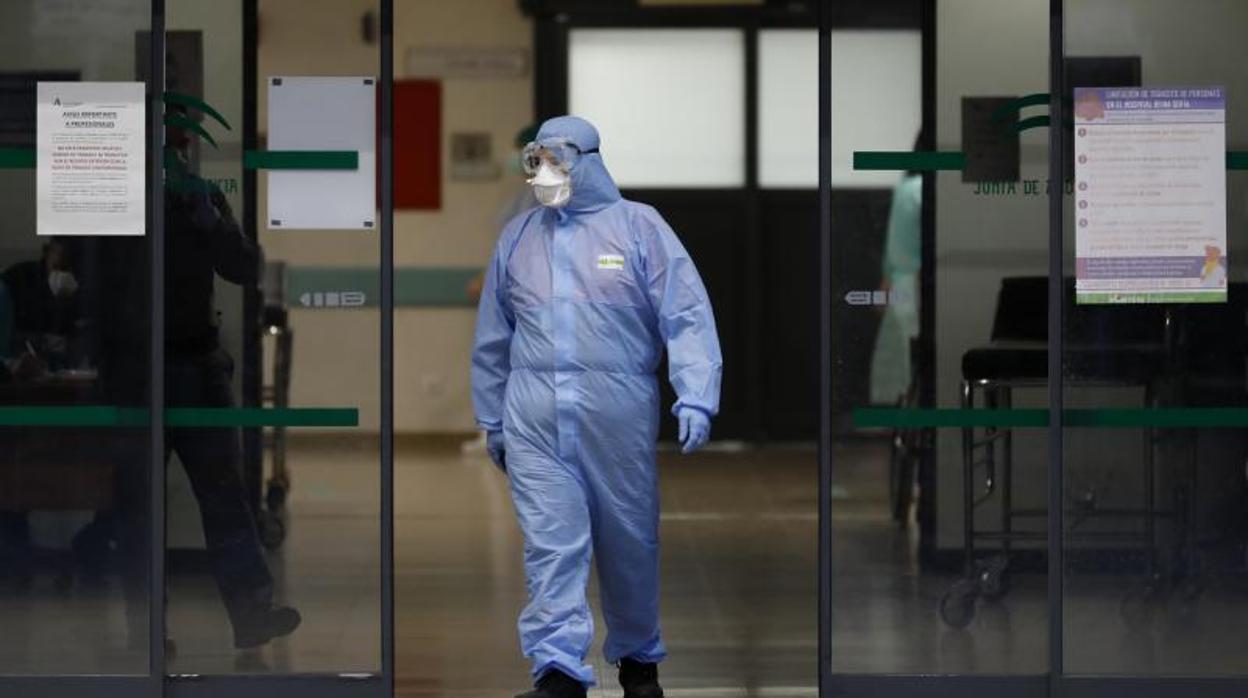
1150 195
90 158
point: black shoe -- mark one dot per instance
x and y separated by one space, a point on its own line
640 679
259 627
556 684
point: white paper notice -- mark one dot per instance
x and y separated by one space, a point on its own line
1150 195
91 158
323 114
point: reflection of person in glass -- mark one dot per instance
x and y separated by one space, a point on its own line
584 295
891 371
202 241
38 311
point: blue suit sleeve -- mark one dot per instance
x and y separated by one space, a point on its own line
491 352
686 322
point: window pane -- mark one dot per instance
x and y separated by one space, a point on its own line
632 84
876 78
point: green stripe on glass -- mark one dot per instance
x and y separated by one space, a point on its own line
930 162
1004 112
920 162
301 160
197 104
262 417
76 416
896 418
107 416
1117 418
17 158
1033 122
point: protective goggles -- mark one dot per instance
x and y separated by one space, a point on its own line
560 153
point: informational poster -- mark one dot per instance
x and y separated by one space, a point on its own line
1150 195
323 114
90 158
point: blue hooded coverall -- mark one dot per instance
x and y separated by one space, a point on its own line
578 306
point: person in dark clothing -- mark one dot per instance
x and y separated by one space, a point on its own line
202 240
39 317
43 292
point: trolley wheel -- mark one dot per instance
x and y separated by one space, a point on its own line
272 530
275 497
994 582
1139 607
957 606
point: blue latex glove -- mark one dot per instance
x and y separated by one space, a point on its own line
496 447
695 429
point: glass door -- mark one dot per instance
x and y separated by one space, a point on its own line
1063 233
76 531
1154 349
937 452
275 337
195 361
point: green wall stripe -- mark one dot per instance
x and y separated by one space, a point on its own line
108 416
339 287
1123 418
1237 160
301 160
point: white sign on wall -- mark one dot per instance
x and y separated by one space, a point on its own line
1150 195
90 158
323 114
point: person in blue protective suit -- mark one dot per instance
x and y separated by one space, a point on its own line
581 299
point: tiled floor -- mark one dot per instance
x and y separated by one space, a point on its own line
739 588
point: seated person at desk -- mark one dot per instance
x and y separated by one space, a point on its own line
37 317
38 314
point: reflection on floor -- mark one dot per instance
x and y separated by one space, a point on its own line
884 605
739 567
739 585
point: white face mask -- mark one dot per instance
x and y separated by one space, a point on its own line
62 283
551 186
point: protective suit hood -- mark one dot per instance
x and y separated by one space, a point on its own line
592 186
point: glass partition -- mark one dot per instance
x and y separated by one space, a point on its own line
1154 358
74 334
938 351
272 342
